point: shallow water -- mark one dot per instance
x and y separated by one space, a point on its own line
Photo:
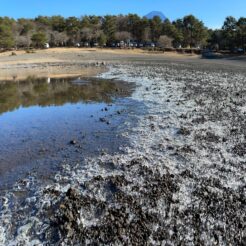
40 117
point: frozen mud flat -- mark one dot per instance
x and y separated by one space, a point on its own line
181 181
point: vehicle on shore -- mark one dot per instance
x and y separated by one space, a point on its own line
46 45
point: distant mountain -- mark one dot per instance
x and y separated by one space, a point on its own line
152 14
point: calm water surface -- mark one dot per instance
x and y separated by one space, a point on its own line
40 117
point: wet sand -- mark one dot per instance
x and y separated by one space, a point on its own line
55 61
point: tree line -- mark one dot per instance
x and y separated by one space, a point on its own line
187 32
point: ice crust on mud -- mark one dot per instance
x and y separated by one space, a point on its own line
181 181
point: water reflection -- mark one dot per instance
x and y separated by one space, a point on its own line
39 118
57 91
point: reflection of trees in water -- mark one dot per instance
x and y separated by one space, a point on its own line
47 92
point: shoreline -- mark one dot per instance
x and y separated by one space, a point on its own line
50 71
89 61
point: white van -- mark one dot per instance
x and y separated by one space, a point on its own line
46 45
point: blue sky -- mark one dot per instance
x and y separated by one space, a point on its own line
211 12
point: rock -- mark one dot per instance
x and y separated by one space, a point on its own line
152 127
102 119
72 193
183 131
73 142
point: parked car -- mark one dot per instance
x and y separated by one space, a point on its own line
86 44
95 44
113 45
46 46
150 44
238 50
122 43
